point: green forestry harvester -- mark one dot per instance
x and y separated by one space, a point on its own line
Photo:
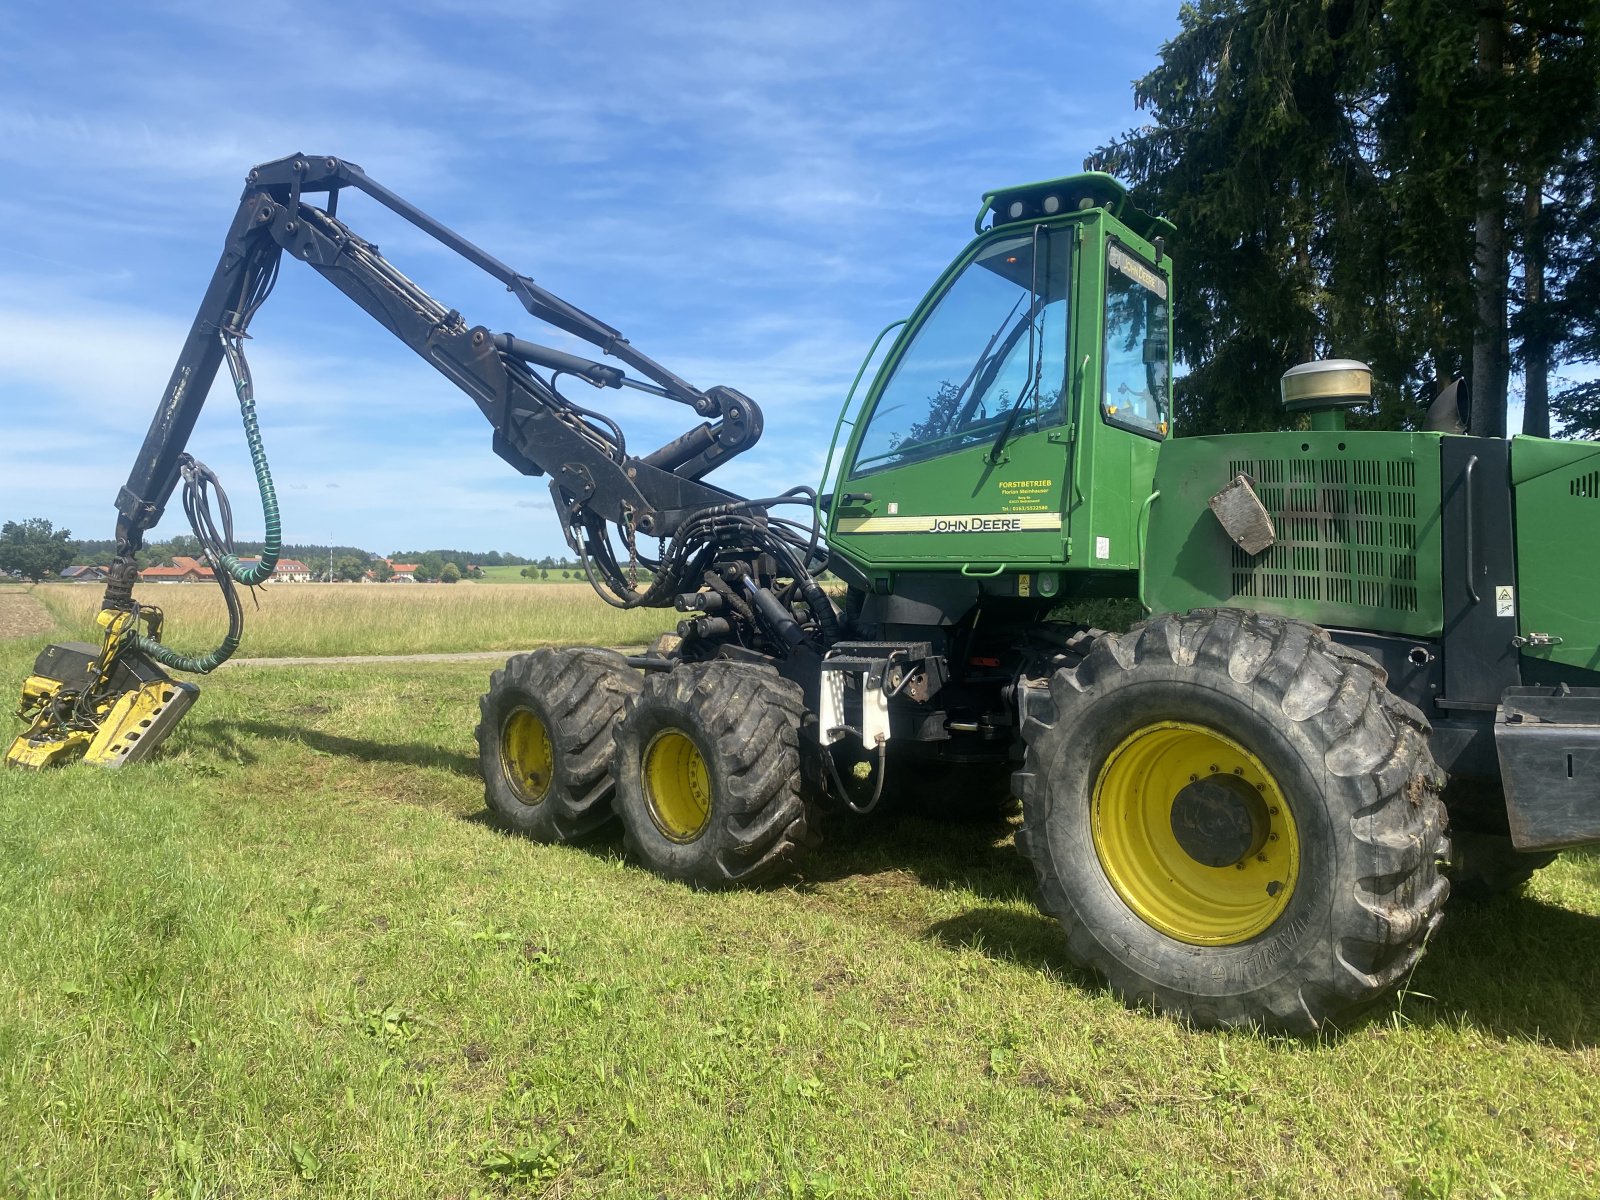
1237 809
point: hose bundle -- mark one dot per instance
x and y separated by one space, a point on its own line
199 481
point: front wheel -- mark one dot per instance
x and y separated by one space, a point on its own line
1234 821
544 741
707 766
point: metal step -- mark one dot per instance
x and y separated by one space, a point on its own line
1549 745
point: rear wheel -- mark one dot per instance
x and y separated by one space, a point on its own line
1234 820
544 742
707 766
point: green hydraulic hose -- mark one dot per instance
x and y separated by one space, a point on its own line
230 568
268 562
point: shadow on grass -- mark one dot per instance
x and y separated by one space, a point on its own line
972 854
1514 966
233 739
1029 939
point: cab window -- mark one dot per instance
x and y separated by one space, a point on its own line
995 341
1137 393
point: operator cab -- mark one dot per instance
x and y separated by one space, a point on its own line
1011 433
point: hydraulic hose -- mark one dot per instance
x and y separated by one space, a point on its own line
218 543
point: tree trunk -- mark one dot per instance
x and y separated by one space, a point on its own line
1490 252
1536 335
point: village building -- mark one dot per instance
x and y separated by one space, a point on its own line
288 570
85 574
183 570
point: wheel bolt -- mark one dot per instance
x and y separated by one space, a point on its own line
1238 770
1261 858
1194 779
1272 837
1273 811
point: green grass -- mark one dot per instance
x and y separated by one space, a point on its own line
291 958
287 619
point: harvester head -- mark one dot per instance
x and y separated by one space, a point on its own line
107 704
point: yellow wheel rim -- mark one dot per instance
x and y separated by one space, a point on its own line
1194 835
527 755
677 787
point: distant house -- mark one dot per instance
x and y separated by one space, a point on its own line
288 570
403 572
85 574
183 570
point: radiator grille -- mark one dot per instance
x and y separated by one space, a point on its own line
1347 532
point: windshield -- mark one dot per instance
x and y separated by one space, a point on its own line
1137 376
967 367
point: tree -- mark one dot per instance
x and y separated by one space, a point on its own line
449 573
382 571
34 549
350 568
1342 177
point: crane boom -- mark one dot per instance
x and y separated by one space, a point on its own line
113 703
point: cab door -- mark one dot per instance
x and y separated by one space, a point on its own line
964 449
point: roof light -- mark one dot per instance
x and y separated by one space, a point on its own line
1015 210
1052 204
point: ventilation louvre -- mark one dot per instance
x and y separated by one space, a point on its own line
1347 531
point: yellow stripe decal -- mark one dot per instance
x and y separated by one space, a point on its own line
959 523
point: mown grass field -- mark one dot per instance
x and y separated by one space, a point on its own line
292 958
396 618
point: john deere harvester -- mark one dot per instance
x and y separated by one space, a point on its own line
1237 809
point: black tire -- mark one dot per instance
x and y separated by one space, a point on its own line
1351 764
743 722
1485 865
573 698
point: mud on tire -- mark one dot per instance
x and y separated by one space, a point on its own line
1351 762
544 740
707 766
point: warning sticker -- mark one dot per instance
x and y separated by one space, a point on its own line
1505 601
1102 547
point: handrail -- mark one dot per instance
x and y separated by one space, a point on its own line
1141 529
827 465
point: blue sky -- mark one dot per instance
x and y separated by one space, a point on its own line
750 192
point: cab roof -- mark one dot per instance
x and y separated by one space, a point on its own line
1092 189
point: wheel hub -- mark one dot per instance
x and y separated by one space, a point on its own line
527 755
1194 834
1219 820
677 785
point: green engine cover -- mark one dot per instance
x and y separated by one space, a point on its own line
1357 523
1558 530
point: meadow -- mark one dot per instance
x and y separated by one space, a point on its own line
394 618
292 957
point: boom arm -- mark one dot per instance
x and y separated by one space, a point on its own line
113 704
536 429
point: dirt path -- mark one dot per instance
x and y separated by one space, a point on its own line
343 659
23 616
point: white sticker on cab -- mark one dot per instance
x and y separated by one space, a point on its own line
1102 547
